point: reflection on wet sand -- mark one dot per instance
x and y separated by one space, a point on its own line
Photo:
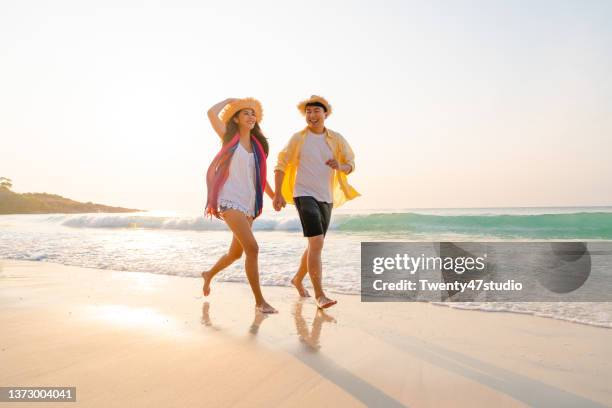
205 320
253 329
310 338
257 320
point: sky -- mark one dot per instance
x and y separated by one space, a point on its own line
446 103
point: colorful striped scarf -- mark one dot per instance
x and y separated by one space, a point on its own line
218 172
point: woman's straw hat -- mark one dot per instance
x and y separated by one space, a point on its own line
240 104
315 99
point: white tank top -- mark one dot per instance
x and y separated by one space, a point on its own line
238 191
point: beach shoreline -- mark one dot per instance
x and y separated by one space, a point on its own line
140 339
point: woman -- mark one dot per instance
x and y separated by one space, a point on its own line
236 181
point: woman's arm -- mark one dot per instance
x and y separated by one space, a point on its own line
213 116
269 191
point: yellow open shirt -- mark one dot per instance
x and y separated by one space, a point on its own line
289 158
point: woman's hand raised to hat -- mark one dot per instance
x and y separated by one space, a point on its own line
213 116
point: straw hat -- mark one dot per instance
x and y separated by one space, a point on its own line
240 104
314 99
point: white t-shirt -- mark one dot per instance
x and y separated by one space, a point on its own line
314 177
238 191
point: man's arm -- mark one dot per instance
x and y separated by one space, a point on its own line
344 167
279 171
285 155
346 161
278 201
348 157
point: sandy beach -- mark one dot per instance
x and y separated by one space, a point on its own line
139 339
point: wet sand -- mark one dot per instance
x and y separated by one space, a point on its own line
137 339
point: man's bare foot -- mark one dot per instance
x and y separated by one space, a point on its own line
265 308
207 278
323 302
300 288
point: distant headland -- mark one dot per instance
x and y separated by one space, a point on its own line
43 203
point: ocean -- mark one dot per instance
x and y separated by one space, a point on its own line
185 245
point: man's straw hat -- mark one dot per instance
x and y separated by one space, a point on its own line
314 99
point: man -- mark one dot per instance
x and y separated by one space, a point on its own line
311 173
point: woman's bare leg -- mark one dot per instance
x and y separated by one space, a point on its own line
241 227
299 276
233 254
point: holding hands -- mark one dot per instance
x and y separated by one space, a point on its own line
278 202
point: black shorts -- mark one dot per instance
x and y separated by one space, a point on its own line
314 215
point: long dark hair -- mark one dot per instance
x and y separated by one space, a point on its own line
231 128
